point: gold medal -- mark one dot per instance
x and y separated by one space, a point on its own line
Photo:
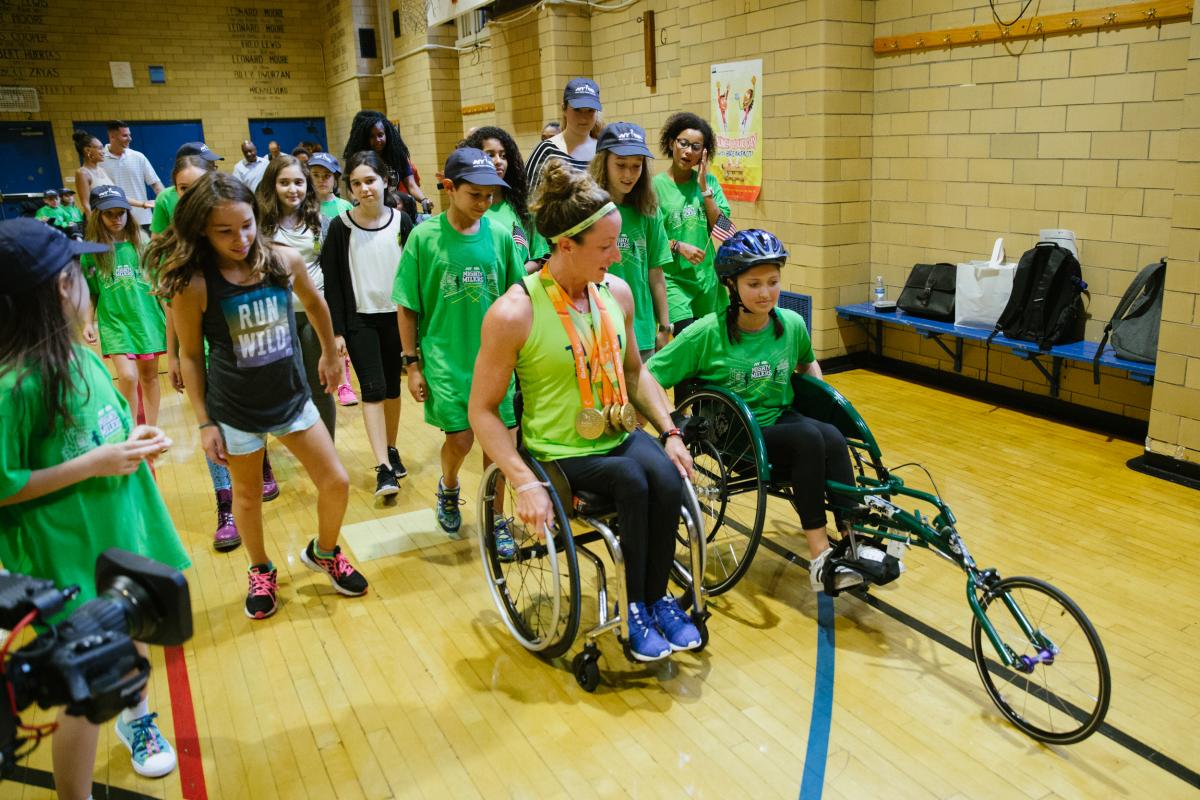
613 413
590 423
629 417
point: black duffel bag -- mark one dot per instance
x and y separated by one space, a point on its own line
929 291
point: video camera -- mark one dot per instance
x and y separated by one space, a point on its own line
87 662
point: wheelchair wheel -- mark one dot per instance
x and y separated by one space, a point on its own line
1059 690
732 493
536 591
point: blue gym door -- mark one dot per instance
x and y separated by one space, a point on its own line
31 165
288 133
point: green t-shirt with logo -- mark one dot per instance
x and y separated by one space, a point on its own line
164 209
644 246
531 245
60 535
129 318
692 289
334 206
73 214
57 217
451 279
758 368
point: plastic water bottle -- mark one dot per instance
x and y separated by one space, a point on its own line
880 291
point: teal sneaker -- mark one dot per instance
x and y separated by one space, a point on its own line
506 548
151 753
448 515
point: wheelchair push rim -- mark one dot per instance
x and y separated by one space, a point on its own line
1058 688
730 488
537 592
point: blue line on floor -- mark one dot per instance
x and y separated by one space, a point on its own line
822 706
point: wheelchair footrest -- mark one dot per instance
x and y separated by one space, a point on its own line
876 566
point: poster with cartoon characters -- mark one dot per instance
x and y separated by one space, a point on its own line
736 90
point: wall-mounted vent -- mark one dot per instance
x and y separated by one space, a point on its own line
19 99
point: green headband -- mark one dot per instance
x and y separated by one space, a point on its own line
603 211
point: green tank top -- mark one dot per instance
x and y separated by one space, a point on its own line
550 391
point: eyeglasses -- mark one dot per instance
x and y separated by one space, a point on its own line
685 145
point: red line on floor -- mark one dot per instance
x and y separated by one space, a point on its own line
187 740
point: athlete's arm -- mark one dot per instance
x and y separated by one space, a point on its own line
187 311
644 392
505 328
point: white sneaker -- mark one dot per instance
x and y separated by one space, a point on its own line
844 577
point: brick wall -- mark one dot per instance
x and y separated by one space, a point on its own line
1078 132
224 65
1175 410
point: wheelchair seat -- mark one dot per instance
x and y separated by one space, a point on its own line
583 502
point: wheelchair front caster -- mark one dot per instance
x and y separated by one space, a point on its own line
701 623
586 668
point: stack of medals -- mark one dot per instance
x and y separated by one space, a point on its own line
605 364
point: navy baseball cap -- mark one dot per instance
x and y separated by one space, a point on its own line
50 193
32 252
325 160
197 149
624 139
103 198
582 93
473 166
66 190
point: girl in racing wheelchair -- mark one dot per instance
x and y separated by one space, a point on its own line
752 349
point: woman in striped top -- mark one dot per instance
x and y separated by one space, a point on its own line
576 143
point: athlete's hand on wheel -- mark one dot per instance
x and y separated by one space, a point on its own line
536 510
678 453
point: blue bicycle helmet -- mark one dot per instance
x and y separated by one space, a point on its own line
749 248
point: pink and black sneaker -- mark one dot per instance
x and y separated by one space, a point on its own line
344 577
264 587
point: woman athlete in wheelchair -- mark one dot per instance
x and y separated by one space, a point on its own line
567 332
752 350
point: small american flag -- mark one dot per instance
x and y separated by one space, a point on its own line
723 229
519 236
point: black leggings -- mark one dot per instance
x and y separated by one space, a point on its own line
310 350
648 492
809 453
375 349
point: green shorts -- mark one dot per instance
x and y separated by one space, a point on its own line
446 407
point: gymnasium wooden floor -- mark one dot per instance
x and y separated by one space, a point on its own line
417 690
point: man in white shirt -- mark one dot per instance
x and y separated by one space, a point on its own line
250 171
130 170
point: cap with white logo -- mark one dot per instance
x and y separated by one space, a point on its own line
106 197
473 166
582 93
624 139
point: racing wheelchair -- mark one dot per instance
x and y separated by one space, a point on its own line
537 591
1049 675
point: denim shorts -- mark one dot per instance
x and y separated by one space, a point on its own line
243 443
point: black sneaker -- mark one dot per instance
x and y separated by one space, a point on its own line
344 577
385 481
264 586
397 465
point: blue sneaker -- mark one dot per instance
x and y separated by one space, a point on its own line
645 642
506 548
448 515
151 753
676 626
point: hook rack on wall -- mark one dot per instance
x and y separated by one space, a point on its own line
1068 22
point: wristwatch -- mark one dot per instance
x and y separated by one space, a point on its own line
406 359
666 328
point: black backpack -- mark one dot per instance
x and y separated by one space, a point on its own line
1046 305
1134 325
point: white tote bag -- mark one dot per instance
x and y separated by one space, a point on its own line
982 289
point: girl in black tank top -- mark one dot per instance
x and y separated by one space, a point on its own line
232 288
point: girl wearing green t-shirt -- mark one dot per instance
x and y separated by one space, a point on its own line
752 350
690 202
621 169
73 474
131 322
510 206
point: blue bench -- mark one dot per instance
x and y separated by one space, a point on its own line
864 314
